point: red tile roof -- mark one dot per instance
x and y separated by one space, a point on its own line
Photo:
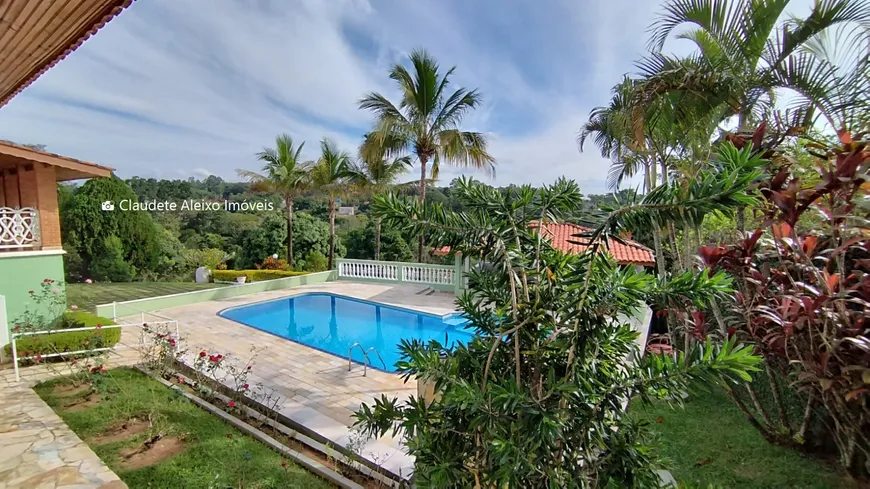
561 236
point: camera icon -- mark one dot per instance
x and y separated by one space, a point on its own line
107 205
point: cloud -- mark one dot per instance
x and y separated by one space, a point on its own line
178 89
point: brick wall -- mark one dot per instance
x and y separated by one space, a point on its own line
49 215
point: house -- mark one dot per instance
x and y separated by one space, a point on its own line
346 211
562 236
37 34
30 243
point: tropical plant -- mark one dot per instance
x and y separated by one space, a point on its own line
330 177
426 122
745 55
538 397
803 299
284 173
373 175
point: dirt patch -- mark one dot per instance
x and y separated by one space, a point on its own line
69 390
150 454
83 403
127 430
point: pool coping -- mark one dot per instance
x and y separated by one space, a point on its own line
354 299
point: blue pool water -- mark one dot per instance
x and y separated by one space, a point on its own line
333 323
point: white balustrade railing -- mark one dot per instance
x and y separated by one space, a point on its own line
419 273
429 275
19 228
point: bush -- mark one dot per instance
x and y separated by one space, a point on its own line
70 341
275 264
110 265
253 275
316 262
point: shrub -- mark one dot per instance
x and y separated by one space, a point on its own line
70 341
110 266
316 262
275 264
253 275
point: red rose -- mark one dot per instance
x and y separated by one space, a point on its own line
38 358
30 292
245 386
99 325
284 464
249 367
16 328
229 435
202 354
231 404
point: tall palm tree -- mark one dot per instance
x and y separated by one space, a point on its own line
283 173
329 175
426 122
745 53
375 174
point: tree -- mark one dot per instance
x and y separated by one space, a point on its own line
426 122
86 225
365 243
283 173
744 56
538 397
373 175
330 177
263 241
110 266
311 235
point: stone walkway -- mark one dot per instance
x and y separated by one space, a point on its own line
315 388
39 451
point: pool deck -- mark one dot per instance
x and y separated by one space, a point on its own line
316 388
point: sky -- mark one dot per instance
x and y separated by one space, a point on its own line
190 88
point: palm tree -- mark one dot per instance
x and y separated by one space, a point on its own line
283 173
329 175
426 122
745 55
373 175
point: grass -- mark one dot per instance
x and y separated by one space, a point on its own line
88 296
215 454
711 443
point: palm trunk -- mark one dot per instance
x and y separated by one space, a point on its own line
289 202
422 202
331 233
377 239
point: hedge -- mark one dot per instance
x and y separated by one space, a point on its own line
253 275
71 341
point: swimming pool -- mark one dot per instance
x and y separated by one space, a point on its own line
332 323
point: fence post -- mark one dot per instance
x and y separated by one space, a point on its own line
15 358
400 274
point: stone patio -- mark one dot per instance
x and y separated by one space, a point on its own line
39 451
317 390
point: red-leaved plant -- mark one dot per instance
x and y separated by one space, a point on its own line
804 298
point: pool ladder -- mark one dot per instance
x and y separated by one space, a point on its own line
365 357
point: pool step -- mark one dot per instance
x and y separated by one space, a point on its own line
455 320
426 291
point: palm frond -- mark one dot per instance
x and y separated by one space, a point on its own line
465 149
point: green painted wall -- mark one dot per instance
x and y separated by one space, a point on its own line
20 274
130 308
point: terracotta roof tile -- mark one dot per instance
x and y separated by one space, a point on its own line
562 235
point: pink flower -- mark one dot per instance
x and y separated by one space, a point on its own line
38 358
99 325
89 281
231 404
73 307
56 290
245 386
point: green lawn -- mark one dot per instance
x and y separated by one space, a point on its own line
711 443
213 454
87 296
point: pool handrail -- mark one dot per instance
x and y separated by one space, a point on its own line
365 358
